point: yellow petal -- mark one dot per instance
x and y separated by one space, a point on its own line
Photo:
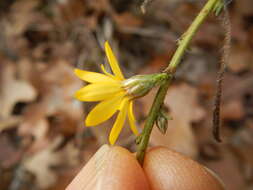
113 62
104 110
92 77
118 125
108 74
132 119
98 91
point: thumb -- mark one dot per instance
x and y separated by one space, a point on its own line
167 169
113 168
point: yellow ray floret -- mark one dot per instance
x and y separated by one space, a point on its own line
113 62
108 89
97 91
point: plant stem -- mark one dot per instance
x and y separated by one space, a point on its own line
176 59
188 35
151 119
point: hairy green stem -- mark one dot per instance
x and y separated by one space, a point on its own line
151 119
188 35
176 59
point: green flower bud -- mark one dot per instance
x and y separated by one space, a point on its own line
162 124
140 85
162 120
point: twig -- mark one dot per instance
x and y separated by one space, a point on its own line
224 62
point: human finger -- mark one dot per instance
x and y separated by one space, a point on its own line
166 169
112 168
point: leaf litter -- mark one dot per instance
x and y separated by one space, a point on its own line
43 141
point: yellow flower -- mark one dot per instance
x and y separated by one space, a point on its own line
107 88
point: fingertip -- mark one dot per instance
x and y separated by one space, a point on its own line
112 167
85 179
166 169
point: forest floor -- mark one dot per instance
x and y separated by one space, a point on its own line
43 140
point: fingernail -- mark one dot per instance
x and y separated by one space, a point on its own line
101 156
216 177
86 178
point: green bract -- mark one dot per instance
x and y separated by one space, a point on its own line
140 85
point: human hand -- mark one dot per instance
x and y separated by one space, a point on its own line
115 168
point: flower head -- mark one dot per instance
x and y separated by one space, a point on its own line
107 88
115 93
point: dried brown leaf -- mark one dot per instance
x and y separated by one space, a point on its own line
13 91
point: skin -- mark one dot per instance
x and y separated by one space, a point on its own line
115 168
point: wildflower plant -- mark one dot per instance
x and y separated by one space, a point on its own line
116 94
